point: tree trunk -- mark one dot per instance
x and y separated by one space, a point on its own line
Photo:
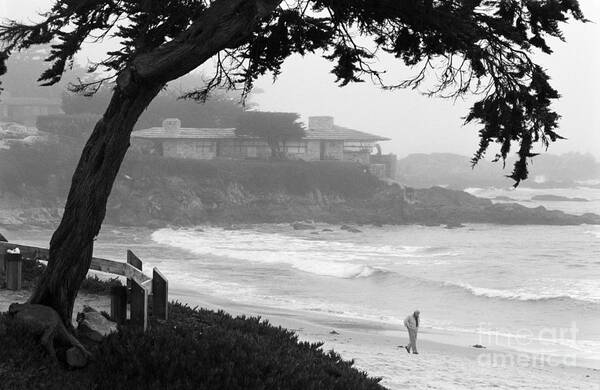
225 24
72 243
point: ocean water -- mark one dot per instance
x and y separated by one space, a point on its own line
531 284
491 280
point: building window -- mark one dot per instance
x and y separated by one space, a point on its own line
252 152
295 147
204 147
358 147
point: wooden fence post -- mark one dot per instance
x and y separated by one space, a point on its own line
138 296
160 293
134 261
118 304
139 305
13 271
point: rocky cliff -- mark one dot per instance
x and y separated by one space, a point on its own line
157 192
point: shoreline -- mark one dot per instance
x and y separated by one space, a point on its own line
378 349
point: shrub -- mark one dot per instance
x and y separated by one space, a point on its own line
194 349
341 178
29 170
201 349
75 126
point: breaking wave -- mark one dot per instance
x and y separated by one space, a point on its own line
325 258
584 291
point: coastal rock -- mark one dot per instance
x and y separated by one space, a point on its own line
327 230
93 325
235 194
303 226
557 198
155 224
504 198
350 229
454 225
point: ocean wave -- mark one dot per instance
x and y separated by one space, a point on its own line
595 233
529 294
323 258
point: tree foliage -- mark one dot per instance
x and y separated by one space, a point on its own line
465 46
275 128
476 46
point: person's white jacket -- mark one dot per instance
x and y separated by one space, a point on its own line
411 323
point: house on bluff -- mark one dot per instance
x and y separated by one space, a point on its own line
25 110
323 140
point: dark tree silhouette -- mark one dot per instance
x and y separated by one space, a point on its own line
275 128
476 46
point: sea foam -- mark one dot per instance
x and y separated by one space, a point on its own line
320 257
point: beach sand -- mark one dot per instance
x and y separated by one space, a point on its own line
445 360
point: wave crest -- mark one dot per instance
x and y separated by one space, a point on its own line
523 295
323 258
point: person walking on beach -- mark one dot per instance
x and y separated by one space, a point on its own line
412 325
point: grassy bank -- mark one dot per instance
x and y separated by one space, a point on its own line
194 349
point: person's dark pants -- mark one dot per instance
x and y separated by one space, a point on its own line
412 335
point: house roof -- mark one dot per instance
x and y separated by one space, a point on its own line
185 133
339 133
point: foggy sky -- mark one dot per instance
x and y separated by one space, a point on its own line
415 123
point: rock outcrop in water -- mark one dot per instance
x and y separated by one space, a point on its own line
557 198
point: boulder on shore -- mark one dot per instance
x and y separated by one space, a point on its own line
303 226
350 229
94 325
454 225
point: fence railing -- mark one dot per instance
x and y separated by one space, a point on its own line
140 289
